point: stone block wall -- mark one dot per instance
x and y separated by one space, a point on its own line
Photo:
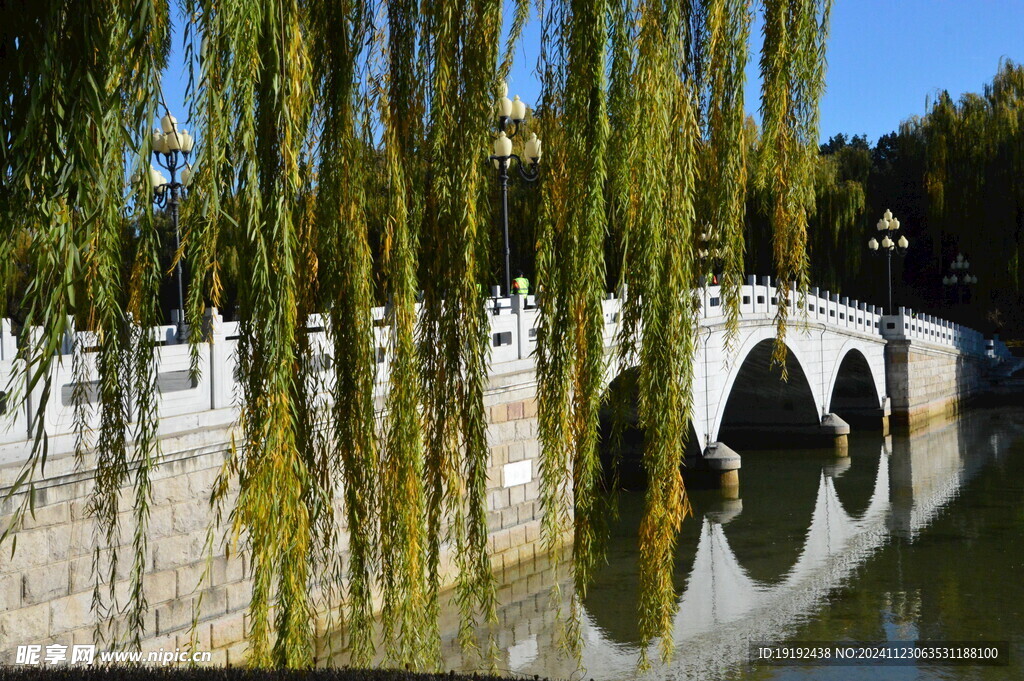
46 589
514 508
926 381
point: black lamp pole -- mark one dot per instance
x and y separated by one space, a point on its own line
171 151
503 179
510 122
888 278
891 242
530 175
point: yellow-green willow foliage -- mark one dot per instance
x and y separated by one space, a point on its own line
793 78
836 226
674 197
402 469
571 276
278 147
835 229
79 91
974 164
461 43
262 47
723 29
660 274
343 163
342 223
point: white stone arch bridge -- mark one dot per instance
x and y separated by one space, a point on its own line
835 361
841 362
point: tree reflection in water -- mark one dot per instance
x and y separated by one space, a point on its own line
822 524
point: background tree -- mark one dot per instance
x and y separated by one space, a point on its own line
953 176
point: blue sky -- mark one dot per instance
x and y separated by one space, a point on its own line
886 58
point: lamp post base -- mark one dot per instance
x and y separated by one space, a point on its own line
178 321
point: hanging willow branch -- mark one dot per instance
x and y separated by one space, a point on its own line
571 270
660 275
793 79
342 165
349 471
725 30
78 98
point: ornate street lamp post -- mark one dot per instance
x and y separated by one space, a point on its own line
959 277
171 149
890 226
511 120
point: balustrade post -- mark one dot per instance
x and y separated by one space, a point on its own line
33 398
8 409
178 320
220 366
67 342
522 326
8 343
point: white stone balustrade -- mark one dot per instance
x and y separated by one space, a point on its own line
513 338
906 325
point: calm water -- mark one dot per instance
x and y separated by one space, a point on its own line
909 539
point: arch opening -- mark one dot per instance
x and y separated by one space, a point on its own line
763 411
622 462
854 396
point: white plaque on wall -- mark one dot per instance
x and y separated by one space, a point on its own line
518 473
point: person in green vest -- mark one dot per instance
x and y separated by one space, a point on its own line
520 285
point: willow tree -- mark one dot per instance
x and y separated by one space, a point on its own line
675 202
793 78
570 343
325 126
973 152
721 53
835 228
79 89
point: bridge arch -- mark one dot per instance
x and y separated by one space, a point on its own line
621 393
855 388
820 364
752 382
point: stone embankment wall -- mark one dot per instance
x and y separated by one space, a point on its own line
46 588
928 382
931 367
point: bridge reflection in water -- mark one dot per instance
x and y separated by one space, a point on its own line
755 569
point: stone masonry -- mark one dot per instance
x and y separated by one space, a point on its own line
927 382
46 588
